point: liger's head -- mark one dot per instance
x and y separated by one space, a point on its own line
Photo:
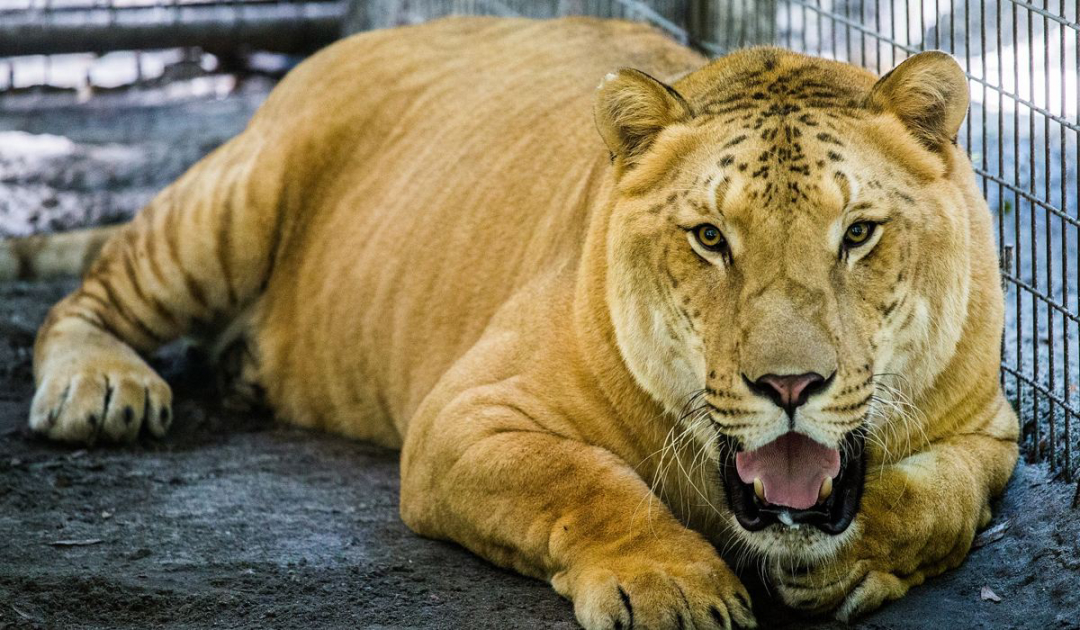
784 239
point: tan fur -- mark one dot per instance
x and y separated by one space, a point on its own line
52 255
421 240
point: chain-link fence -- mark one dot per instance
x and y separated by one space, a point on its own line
1022 131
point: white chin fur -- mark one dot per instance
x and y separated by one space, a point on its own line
782 544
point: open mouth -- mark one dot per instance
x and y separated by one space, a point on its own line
794 480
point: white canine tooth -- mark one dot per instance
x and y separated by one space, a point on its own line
759 489
826 489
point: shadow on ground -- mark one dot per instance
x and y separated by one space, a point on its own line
239 522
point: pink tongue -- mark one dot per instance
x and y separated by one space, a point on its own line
791 467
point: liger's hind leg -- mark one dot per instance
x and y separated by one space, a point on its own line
193 258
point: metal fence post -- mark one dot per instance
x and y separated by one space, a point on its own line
365 15
721 25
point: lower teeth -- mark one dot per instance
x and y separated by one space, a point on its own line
826 489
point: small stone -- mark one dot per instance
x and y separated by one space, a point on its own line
988 594
139 554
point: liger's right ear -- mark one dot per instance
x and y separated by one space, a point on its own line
631 108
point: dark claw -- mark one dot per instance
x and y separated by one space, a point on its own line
146 407
626 602
129 415
686 602
108 397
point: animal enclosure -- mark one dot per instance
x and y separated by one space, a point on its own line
1022 132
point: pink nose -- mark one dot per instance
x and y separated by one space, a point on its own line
791 390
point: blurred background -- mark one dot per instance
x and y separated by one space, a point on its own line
103 102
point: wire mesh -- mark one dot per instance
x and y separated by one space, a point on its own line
1023 133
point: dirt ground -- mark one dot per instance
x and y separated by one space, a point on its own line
240 522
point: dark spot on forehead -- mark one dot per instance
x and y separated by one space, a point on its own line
903 196
831 139
699 206
835 157
797 193
781 109
734 141
769 60
844 184
727 160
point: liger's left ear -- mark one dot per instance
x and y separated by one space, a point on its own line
631 108
929 93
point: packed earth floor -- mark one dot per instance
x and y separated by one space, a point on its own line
236 521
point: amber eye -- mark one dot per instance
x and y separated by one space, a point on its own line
710 237
858 234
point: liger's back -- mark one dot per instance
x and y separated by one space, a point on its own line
443 167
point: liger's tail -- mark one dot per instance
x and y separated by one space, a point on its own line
52 255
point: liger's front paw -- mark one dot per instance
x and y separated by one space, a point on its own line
102 398
820 588
641 593
878 566
850 589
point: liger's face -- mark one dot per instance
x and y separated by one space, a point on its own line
768 267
